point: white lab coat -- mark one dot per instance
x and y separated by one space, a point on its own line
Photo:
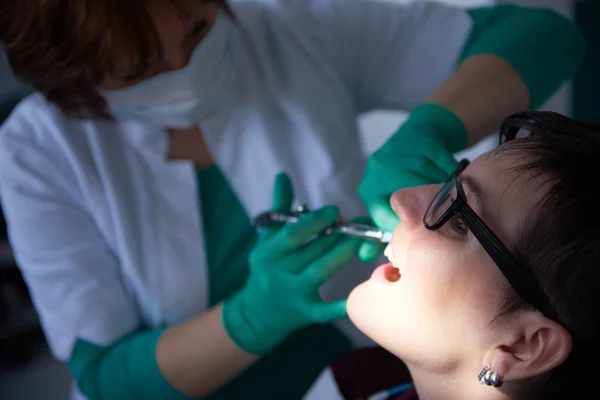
108 232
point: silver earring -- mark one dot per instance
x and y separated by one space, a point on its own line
488 377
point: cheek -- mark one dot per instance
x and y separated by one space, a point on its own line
445 287
430 270
445 277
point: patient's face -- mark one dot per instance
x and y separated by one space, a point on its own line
439 310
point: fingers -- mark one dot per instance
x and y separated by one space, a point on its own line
382 214
292 237
325 267
447 164
323 313
302 258
283 197
283 194
370 251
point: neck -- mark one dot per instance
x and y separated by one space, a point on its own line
453 385
189 144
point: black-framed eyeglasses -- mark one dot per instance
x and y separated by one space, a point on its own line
451 201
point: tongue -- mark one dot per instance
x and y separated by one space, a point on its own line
392 273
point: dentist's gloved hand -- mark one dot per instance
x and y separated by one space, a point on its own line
419 153
281 294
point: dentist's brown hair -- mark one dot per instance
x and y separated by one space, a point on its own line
65 48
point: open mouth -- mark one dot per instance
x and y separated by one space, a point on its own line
388 272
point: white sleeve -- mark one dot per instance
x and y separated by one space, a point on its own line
325 387
72 275
391 54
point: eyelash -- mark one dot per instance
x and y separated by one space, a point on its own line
133 77
138 74
458 227
199 27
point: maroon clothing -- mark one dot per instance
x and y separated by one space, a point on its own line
410 394
361 373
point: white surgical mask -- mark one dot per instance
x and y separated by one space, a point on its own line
182 98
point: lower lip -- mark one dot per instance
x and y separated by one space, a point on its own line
386 273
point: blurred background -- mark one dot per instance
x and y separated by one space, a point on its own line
28 371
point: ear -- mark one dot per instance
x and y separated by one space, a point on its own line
533 346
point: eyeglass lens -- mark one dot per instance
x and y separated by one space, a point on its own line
441 203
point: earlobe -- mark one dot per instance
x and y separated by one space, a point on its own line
537 347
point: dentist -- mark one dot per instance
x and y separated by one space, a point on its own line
157 130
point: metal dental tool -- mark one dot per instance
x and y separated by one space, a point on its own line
271 218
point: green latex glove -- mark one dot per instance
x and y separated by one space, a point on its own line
419 153
286 270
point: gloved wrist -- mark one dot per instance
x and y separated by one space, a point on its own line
251 329
432 121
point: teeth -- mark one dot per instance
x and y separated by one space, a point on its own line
389 254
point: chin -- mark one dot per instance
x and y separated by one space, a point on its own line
373 310
352 302
360 306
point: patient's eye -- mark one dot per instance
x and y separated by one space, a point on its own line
458 227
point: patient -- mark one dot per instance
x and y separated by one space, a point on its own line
493 289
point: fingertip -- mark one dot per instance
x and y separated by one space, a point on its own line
329 312
385 218
282 179
369 251
340 307
283 193
354 244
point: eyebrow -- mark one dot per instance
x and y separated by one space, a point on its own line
134 69
475 189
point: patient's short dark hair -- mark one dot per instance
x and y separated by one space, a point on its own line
559 239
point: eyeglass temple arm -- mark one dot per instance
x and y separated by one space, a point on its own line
519 278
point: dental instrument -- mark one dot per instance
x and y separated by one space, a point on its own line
271 218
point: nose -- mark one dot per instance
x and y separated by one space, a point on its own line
177 58
411 204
